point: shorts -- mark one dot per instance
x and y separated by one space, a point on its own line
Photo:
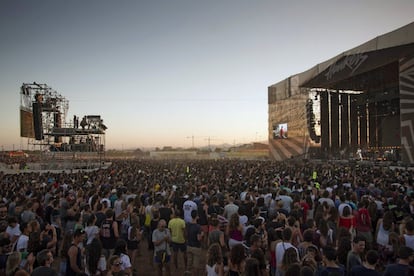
132 245
158 261
179 246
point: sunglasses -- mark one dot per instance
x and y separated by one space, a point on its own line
117 264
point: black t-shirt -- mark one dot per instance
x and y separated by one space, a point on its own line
193 229
215 209
165 213
100 217
328 271
395 269
361 270
43 271
48 214
202 217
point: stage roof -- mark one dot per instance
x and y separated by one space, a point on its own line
373 54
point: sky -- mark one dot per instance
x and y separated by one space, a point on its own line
174 72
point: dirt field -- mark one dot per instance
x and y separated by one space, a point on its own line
146 268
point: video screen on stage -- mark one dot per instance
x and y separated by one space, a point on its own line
280 131
26 124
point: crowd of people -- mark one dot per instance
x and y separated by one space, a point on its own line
209 217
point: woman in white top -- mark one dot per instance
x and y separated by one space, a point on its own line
384 227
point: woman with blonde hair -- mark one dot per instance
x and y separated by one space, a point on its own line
13 265
214 265
114 266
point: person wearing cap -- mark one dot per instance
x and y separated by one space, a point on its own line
406 256
74 266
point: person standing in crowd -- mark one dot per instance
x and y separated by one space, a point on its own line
114 266
256 251
203 219
354 255
134 238
330 264
178 237
214 264
195 236
408 235
216 235
252 267
23 240
237 260
161 238
230 208
121 251
74 265
13 265
234 230
363 222
188 206
281 248
95 261
406 256
368 266
13 229
109 233
44 259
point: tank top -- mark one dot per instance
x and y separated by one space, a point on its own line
236 235
107 234
69 270
211 270
382 236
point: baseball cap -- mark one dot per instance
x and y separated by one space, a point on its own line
78 232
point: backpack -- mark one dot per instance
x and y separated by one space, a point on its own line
106 227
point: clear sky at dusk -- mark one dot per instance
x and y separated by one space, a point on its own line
161 71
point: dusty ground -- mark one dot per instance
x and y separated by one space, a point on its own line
145 266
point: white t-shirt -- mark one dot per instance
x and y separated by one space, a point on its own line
342 206
188 206
118 207
13 231
280 251
22 243
126 261
108 202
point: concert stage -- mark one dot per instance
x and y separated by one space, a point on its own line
361 100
